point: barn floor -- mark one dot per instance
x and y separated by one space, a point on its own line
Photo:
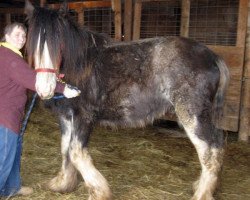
139 164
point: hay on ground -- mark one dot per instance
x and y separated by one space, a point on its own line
139 164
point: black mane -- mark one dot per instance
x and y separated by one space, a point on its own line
73 47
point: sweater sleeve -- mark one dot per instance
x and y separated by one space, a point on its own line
20 72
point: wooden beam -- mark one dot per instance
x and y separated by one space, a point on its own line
85 4
12 10
8 18
137 20
128 19
242 23
118 21
244 130
80 15
233 57
185 17
153 1
42 3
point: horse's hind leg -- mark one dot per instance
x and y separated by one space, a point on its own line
97 185
211 159
66 180
209 143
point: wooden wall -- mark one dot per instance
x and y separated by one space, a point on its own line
234 57
244 132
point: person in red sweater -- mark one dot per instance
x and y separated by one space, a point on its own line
15 78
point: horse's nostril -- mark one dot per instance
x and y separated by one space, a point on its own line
42 97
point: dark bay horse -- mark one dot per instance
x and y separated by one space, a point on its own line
126 84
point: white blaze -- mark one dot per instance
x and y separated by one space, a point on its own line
45 81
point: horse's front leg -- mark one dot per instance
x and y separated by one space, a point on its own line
97 185
66 180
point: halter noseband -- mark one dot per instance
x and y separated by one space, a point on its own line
46 70
54 71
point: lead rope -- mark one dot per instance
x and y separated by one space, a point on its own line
26 118
24 124
25 121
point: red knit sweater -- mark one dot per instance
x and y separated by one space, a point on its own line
15 77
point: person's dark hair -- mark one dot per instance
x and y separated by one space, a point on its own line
9 28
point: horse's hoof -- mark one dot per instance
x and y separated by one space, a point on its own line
100 195
54 185
58 185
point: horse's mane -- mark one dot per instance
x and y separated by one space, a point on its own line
75 47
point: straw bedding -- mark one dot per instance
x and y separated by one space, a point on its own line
139 164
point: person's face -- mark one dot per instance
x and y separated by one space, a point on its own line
17 37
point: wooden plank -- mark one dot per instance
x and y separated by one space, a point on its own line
127 20
247 63
242 23
231 109
72 5
244 131
85 4
153 0
137 20
145 1
42 3
247 49
233 92
80 17
8 18
234 58
246 91
185 17
12 10
118 21
229 123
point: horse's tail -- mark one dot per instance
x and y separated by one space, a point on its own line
220 94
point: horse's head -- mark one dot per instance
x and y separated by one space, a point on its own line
44 46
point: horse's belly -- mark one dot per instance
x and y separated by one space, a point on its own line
136 112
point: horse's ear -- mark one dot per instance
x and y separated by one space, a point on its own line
64 8
28 9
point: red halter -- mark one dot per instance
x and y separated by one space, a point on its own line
46 70
55 71
59 76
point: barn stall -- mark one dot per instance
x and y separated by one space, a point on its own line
222 26
128 158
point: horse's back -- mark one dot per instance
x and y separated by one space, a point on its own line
144 79
166 62
155 55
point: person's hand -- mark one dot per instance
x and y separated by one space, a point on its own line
71 91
